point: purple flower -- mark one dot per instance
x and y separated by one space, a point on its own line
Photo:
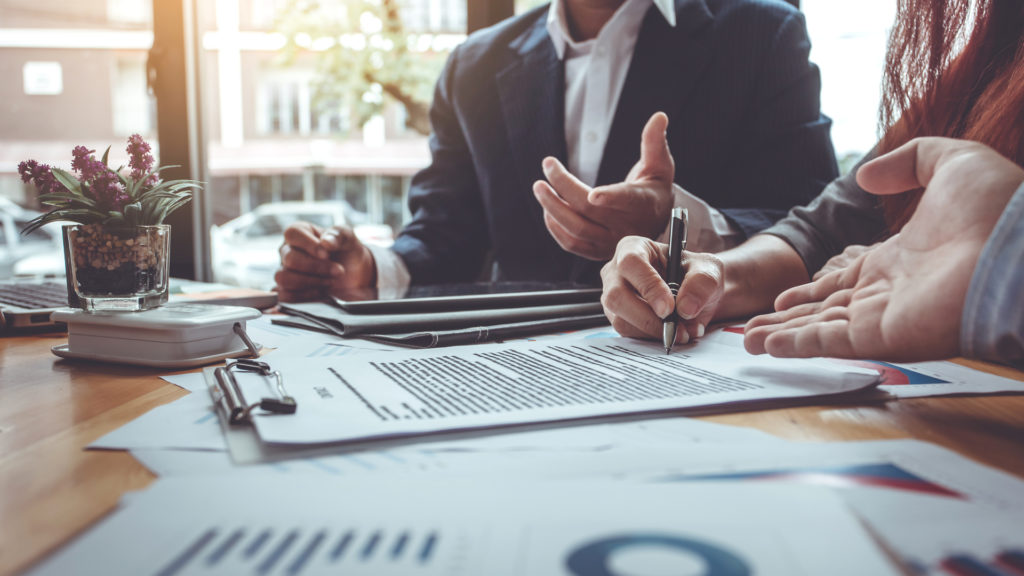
32 171
140 159
98 182
108 192
86 164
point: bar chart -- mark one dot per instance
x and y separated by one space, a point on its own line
296 551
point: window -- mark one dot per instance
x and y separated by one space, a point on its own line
301 104
130 12
76 75
848 45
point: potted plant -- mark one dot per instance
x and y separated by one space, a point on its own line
117 256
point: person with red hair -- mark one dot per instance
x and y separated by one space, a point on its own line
955 70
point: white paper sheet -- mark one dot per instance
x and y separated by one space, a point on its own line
305 526
588 333
166 463
380 395
914 379
192 382
299 342
943 537
187 423
248 455
904 466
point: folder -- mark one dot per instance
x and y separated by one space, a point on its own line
451 320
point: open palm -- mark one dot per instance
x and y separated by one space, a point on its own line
902 299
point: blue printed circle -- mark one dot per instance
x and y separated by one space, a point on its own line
592 559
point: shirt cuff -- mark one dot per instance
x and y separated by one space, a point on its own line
992 323
708 230
393 277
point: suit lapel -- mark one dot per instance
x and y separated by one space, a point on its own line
532 94
666 66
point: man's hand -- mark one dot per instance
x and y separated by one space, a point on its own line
902 300
636 298
317 263
589 222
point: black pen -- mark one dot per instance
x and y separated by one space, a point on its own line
676 245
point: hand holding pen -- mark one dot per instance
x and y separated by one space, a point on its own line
674 275
637 299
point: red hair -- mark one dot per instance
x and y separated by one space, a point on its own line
954 68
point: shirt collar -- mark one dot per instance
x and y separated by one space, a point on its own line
558 25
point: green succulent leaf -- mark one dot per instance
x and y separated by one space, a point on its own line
47 198
133 214
67 180
76 215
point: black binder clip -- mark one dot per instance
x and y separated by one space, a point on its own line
228 394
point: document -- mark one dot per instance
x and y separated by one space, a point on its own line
909 379
314 525
188 423
903 467
352 464
455 451
386 395
943 537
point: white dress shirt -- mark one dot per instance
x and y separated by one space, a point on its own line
595 71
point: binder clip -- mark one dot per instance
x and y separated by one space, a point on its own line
228 394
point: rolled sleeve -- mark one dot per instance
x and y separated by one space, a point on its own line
992 325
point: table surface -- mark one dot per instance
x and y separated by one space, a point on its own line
50 409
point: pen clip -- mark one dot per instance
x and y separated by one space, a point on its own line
686 228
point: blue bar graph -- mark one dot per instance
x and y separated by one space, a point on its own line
307 553
256 544
294 551
221 551
188 553
342 545
399 547
428 548
370 546
282 547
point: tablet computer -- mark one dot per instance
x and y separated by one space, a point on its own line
481 296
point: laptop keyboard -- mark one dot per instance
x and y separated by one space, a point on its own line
32 295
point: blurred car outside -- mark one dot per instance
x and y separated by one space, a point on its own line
39 253
245 250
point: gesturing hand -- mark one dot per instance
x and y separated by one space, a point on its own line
589 222
843 259
903 299
317 263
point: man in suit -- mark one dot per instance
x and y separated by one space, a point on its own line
576 83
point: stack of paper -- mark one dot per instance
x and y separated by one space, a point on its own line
317 526
460 461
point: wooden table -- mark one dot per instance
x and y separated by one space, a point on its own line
51 489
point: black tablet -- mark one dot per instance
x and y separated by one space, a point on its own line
456 297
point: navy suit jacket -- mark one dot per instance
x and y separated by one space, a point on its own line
745 131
